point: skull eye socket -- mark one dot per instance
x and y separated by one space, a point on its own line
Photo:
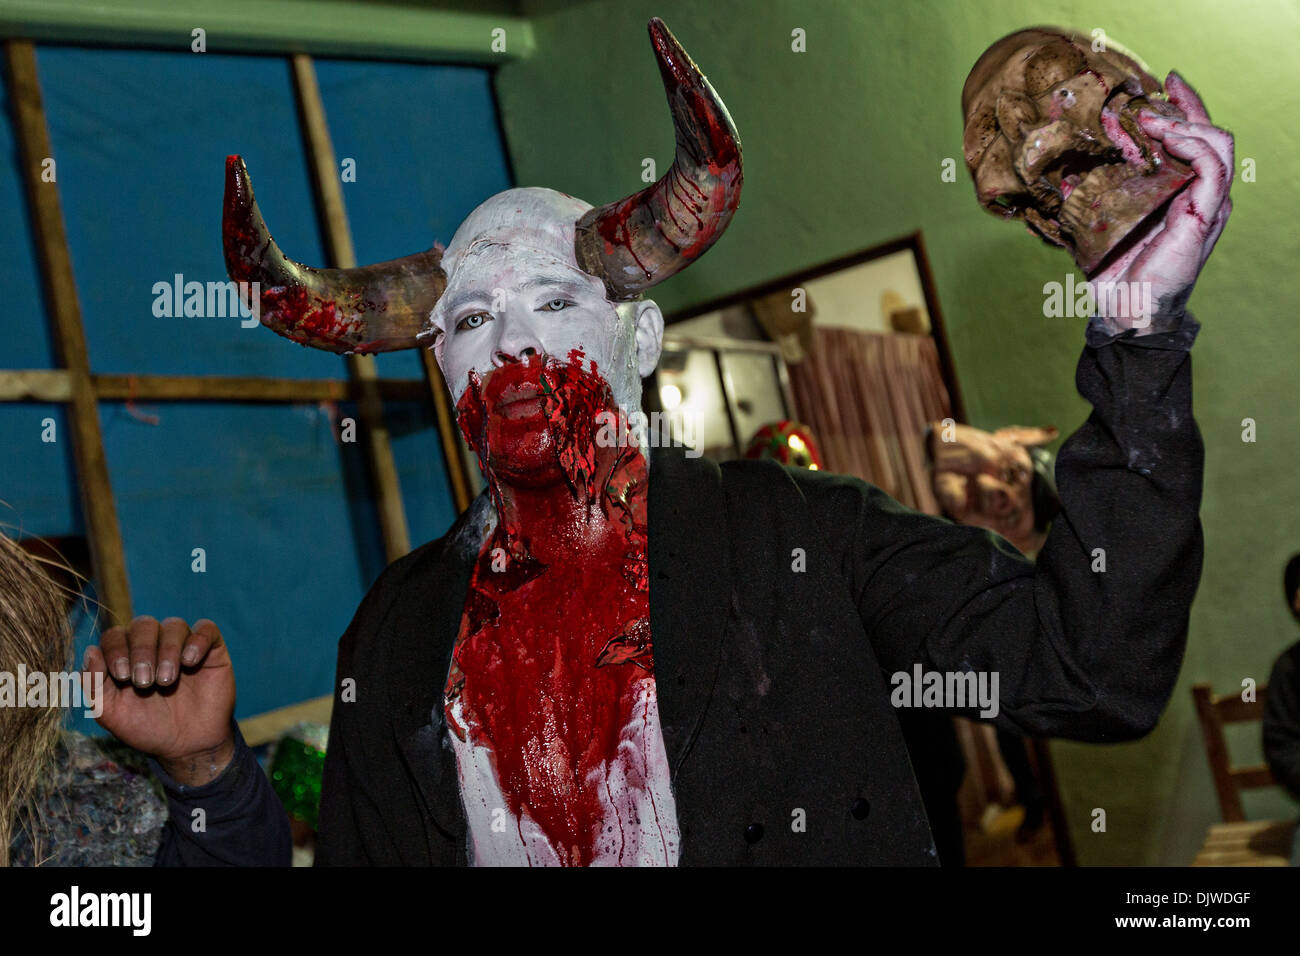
1015 113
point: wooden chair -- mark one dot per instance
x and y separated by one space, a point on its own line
1214 712
1236 841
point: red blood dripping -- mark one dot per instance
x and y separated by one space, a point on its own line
555 636
1105 87
616 231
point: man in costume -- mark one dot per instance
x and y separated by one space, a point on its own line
623 655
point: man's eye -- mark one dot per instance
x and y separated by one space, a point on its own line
556 305
472 321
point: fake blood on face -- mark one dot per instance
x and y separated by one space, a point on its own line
554 641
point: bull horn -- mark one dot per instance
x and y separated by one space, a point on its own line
639 241
378 308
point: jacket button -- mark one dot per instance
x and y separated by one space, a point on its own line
860 808
753 833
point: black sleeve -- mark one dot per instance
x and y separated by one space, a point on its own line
361 764
1087 642
1282 721
352 829
242 822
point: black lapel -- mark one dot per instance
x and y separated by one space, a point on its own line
422 640
690 587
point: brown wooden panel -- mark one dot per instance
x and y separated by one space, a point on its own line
1249 843
35 385
104 531
448 431
1216 750
233 388
1252 778
338 250
1233 710
55 385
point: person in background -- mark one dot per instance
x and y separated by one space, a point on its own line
1282 705
64 799
67 799
1002 481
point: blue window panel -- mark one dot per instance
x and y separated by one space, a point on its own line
26 333
417 451
427 150
426 146
284 512
141 139
38 490
260 489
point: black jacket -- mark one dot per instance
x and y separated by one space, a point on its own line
773 682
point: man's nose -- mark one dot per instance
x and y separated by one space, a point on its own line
505 357
518 341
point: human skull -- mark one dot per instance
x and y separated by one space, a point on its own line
1052 138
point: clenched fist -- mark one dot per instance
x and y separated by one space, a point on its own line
169 692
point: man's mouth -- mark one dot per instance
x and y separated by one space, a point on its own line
517 391
521 408
520 400
508 413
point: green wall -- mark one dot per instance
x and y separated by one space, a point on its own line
843 148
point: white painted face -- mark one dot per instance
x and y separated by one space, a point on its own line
514 289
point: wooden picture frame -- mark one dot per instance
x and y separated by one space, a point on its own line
913 243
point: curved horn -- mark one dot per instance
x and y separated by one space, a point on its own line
639 241
378 308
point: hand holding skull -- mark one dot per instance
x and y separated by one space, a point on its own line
1172 253
1084 145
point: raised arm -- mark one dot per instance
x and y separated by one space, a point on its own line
1087 643
169 692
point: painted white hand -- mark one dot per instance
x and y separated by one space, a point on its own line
1174 251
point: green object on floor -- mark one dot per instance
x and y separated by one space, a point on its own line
297 768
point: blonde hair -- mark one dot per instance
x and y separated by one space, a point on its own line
34 633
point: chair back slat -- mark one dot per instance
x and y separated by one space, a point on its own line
1213 713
